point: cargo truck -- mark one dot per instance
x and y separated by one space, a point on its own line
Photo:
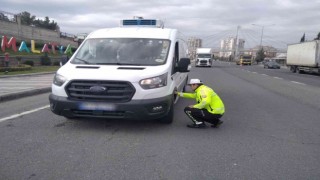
304 57
244 60
203 57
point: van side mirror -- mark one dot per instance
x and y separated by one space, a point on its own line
184 65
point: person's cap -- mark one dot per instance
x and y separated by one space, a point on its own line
195 81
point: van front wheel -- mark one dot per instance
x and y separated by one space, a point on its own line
168 119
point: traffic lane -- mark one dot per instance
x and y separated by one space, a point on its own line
307 78
21 105
269 111
49 147
249 145
24 83
300 92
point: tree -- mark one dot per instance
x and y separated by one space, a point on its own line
260 56
46 24
4 17
27 19
53 25
318 37
303 38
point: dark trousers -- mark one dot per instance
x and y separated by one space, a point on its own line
201 115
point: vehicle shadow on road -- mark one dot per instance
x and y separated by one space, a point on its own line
111 124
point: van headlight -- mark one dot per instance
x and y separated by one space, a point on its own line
59 80
154 82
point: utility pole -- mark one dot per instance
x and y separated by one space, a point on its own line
237 44
261 36
262 29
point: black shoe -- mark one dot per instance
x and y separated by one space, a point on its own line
202 125
217 125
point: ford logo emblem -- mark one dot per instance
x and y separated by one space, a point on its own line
97 89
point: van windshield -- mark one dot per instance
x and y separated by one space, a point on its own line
246 57
123 51
204 55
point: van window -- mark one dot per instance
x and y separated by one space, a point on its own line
126 51
204 55
175 59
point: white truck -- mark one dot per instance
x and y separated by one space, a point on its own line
127 72
304 57
204 57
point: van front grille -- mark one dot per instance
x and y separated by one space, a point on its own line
106 114
107 91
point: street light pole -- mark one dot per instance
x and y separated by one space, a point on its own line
237 44
261 36
262 26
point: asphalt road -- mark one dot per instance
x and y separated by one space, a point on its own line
271 130
17 86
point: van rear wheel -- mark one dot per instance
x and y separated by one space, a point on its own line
70 117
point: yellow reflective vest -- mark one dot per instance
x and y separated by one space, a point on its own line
206 99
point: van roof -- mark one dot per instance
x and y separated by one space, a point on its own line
133 32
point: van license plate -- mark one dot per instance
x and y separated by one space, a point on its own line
96 106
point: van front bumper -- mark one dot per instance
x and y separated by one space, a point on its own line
134 109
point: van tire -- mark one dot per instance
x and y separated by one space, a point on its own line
168 119
71 117
186 83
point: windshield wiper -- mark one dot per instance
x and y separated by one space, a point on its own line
130 64
82 60
118 63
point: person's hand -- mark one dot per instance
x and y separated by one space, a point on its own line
190 106
178 93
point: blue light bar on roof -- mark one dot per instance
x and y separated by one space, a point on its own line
138 22
142 22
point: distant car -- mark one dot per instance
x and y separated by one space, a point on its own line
271 65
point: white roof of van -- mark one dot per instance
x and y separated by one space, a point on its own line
133 32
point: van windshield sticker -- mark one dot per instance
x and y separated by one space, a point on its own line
159 60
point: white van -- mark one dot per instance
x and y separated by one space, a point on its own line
129 72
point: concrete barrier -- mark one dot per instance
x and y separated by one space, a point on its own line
28 33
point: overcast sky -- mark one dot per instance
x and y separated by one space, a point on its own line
284 21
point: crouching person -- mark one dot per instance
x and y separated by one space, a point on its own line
208 108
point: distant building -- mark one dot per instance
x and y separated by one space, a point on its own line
228 47
281 58
193 44
216 52
269 51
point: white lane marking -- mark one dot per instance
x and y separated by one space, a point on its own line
254 72
297 82
277 78
36 81
24 113
264 75
9 88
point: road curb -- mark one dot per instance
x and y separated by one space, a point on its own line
31 74
32 92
